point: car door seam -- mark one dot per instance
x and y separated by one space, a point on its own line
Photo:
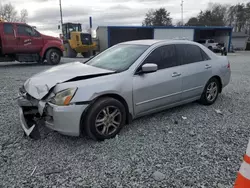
194 88
158 98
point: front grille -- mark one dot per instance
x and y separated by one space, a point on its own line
86 39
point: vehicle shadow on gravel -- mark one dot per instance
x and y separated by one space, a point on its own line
174 114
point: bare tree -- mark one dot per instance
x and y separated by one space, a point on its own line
9 13
23 15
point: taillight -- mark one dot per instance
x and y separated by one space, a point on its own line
228 65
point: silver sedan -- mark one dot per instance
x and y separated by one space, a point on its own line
126 81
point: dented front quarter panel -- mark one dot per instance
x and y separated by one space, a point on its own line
90 89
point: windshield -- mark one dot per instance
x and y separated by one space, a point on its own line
118 58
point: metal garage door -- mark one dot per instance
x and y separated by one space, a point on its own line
174 33
239 43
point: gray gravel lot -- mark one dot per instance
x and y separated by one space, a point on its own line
162 150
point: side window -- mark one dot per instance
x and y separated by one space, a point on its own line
188 53
205 57
26 30
35 33
164 57
8 28
22 30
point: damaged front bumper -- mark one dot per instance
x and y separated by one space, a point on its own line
63 119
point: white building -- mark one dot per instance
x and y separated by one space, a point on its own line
239 40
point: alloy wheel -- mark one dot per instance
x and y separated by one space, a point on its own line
212 91
108 120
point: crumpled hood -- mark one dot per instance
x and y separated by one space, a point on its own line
40 84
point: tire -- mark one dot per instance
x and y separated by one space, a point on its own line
69 51
94 128
53 56
86 54
207 98
210 48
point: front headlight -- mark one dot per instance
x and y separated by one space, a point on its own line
64 97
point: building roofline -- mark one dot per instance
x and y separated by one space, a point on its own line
174 27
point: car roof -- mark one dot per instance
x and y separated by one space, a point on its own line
154 41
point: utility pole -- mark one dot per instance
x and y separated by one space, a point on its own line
60 4
182 12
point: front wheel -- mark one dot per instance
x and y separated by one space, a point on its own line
211 92
53 57
104 119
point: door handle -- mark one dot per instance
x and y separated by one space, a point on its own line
208 67
175 74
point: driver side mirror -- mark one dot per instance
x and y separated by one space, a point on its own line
149 67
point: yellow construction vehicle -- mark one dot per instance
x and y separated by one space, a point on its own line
75 41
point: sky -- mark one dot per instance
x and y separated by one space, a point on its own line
45 14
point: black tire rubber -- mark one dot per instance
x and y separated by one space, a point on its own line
210 48
89 118
48 56
203 100
86 54
69 51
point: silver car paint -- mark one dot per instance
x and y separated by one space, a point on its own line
40 84
171 87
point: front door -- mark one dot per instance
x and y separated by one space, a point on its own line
24 42
36 41
153 91
196 70
9 41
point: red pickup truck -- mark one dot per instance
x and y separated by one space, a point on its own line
23 43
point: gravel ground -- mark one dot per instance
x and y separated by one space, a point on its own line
161 150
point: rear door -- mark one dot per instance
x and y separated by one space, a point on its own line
196 69
9 42
153 91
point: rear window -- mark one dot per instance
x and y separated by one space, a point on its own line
8 28
205 56
188 53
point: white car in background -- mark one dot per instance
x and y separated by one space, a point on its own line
210 44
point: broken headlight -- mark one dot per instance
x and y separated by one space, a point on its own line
64 97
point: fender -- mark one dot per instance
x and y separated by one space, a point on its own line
51 44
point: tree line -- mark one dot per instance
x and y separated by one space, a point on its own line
9 13
236 16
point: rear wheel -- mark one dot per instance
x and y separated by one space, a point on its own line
211 92
104 119
53 56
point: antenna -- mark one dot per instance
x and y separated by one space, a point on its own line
182 1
